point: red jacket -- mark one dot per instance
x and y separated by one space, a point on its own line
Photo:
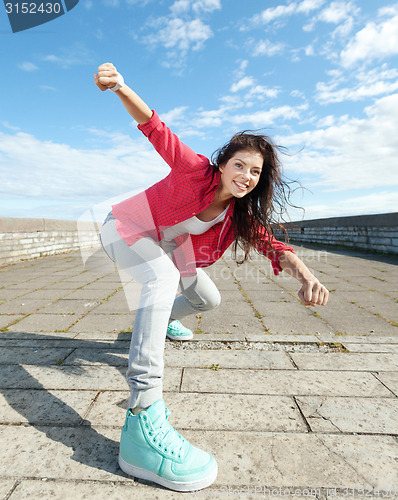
185 192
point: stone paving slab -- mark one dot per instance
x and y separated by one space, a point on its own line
228 359
70 306
44 323
393 348
60 452
68 490
223 319
5 487
48 489
295 459
88 294
33 355
7 294
23 305
7 319
105 356
275 338
36 336
45 294
390 380
284 382
360 339
104 323
359 415
75 377
44 407
314 418
346 317
57 341
346 361
202 412
305 325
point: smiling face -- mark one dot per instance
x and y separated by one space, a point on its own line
241 173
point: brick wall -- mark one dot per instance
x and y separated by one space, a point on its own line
378 233
22 239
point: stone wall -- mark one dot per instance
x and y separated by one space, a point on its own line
377 233
22 239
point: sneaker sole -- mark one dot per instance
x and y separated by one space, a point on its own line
132 470
179 337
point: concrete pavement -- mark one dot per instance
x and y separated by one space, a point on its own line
292 401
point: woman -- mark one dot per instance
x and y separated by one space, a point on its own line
163 238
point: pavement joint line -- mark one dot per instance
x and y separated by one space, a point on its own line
84 422
208 367
12 489
292 360
246 297
90 407
306 423
60 361
378 315
313 313
366 288
181 380
375 374
341 457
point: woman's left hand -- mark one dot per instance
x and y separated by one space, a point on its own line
313 293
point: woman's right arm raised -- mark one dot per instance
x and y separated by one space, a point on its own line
107 77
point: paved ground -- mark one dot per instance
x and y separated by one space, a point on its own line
287 398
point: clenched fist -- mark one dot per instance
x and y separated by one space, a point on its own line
107 76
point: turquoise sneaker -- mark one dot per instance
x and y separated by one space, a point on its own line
177 331
151 449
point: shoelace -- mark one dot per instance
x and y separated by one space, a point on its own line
170 436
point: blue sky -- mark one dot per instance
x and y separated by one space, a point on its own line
318 76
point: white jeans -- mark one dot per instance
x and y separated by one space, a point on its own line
150 266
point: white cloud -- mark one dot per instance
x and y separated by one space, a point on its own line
267 48
327 95
273 13
59 172
375 41
375 203
369 83
71 55
246 81
181 35
352 153
174 115
205 5
11 127
336 12
259 92
240 71
307 6
181 31
198 6
281 11
47 87
309 50
28 66
266 118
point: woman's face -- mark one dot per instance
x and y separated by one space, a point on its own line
241 173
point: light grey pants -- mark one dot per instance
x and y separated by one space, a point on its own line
148 264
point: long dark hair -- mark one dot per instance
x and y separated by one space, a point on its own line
269 198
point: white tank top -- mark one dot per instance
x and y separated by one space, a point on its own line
191 226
